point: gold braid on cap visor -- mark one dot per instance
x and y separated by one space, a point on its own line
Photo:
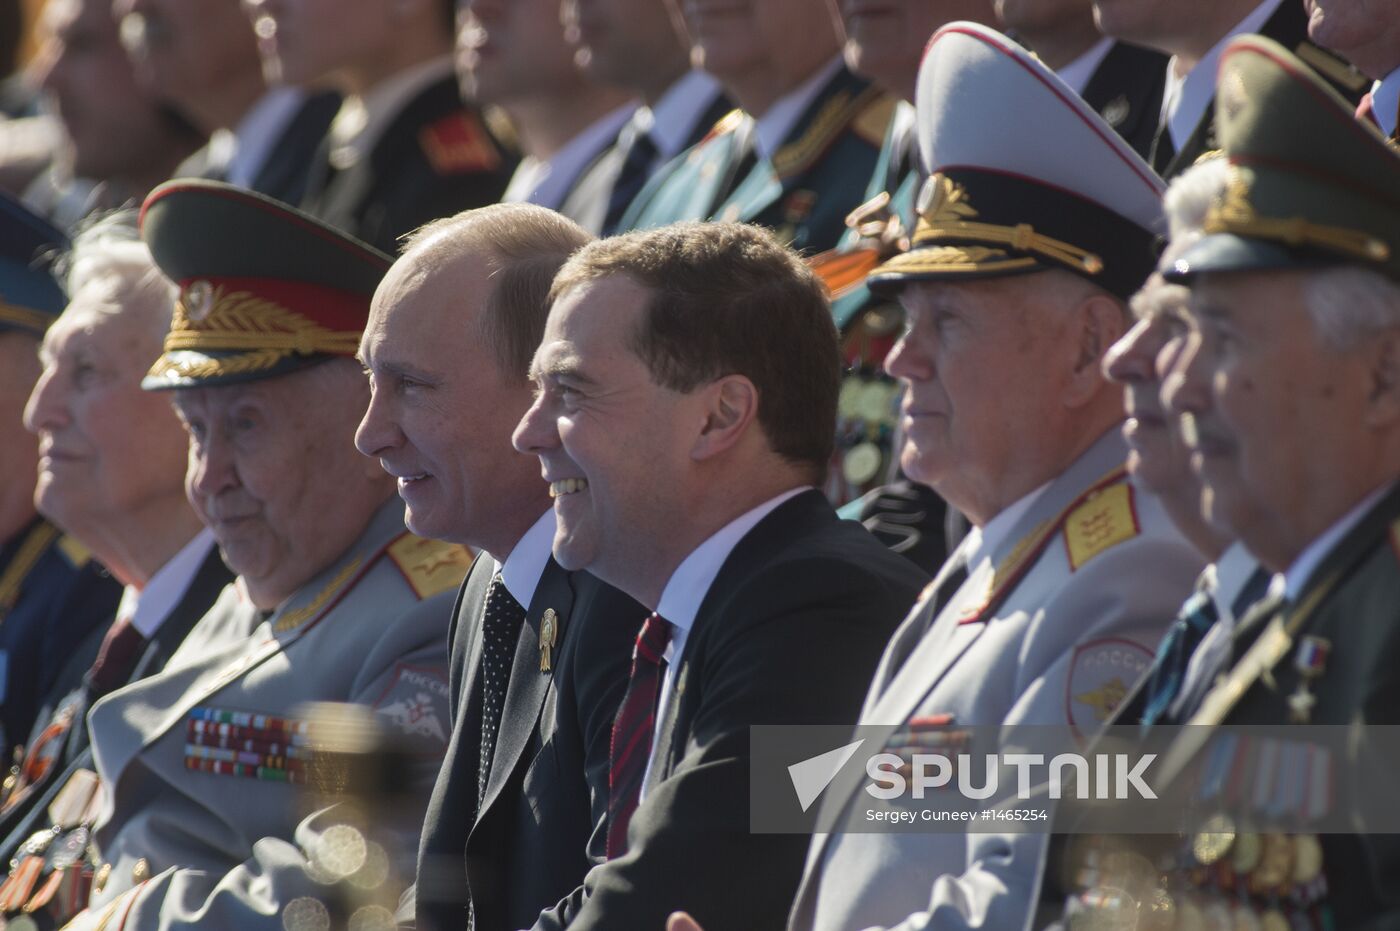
1235 214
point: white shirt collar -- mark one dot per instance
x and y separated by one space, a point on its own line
253 139
1185 100
983 541
547 182
774 126
524 566
674 117
1315 552
690 583
1385 101
148 607
1227 577
363 119
1078 73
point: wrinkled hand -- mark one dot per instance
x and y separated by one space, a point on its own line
680 921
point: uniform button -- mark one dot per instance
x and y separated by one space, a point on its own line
140 871
99 882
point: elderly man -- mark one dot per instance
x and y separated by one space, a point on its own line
448 349
52 595
1013 290
335 601
111 471
687 390
798 155
1290 390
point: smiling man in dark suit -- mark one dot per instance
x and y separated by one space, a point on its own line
539 654
687 400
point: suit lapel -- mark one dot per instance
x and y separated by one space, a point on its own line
795 517
529 684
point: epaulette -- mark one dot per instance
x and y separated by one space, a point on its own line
1106 517
727 124
459 143
1332 67
76 552
831 120
430 566
873 123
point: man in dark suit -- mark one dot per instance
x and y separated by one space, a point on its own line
403 149
1194 33
113 476
539 653
687 392
638 46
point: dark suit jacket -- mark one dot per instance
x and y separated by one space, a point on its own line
1288 27
285 173
1126 90
436 158
789 633
70 746
546 800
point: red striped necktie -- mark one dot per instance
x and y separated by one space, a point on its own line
633 728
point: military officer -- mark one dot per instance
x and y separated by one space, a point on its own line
1296 308
1048 611
797 156
335 600
52 594
113 473
404 148
1194 33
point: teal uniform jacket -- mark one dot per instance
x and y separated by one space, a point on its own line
803 193
53 598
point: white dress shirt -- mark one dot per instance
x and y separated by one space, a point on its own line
1079 72
243 151
685 591
1225 580
547 182
672 122
149 606
1186 98
1385 101
776 124
524 566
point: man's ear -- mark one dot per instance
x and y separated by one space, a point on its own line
1383 359
730 405
1099 322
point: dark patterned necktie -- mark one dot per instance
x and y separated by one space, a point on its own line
1197 617
633 728
500 631
636 168
116 658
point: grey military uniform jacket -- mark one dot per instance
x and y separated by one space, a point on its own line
223 850
1051 628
